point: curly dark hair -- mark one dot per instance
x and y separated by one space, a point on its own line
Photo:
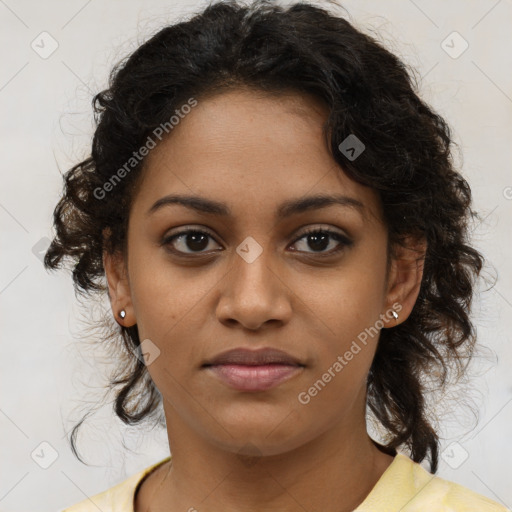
371 94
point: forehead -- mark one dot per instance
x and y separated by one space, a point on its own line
252 150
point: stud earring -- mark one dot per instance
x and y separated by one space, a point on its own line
395 314
122 313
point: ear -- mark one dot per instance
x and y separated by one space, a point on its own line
119 288
404 280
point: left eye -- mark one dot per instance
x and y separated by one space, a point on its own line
316 238
197 241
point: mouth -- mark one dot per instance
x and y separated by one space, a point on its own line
254 370
244 377
254 357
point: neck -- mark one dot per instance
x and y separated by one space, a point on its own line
335 471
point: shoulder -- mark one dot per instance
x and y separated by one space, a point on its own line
118 498
408 486
460 498
451 496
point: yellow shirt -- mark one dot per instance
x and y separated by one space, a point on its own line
405 486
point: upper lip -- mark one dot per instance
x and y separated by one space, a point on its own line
253 357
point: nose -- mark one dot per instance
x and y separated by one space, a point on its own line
254 294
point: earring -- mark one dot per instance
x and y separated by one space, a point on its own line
395 314
122 313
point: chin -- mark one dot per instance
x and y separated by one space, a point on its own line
279 435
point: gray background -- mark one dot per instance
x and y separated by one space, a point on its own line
49 378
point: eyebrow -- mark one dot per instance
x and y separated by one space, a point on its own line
286 209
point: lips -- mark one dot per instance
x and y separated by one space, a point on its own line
259 357
254 370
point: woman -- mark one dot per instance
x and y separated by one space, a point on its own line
284 240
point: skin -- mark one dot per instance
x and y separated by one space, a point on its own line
253 152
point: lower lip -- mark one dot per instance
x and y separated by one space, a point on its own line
254 378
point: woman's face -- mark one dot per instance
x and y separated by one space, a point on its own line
254 279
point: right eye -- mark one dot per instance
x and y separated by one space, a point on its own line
192 239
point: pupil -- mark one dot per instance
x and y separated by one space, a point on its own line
198 241
197 244
318 241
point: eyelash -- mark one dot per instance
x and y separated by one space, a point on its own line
343 241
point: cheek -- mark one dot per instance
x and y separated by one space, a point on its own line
164 295
344 302
168 303
343 309
170 307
